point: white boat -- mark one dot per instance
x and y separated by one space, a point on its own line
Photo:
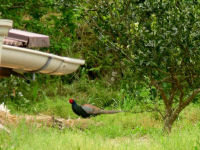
29 60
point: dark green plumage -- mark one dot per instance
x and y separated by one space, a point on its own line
88 110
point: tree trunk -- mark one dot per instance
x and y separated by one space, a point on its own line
171 114
168 122
171 117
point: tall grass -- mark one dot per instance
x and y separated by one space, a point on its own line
111 132
139 131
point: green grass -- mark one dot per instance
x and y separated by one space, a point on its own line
121 131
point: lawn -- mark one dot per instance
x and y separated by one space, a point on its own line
140 131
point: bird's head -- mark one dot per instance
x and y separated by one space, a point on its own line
71 101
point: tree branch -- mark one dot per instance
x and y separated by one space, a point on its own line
160 89
179 86
116 48
172 94
157 110
185 103
190 98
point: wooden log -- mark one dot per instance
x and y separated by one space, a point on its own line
43 120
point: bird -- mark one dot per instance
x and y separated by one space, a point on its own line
88 110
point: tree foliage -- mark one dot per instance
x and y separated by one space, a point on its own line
55 18
160 42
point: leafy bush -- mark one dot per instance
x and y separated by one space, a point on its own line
20 93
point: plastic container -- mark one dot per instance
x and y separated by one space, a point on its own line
28 60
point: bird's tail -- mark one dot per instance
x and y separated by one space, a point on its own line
109 111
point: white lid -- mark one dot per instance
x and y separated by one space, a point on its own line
6 22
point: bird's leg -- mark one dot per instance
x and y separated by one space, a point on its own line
78 119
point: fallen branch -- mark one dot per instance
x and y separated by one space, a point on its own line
42 120
4 128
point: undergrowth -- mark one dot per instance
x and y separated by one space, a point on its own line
52 94
113 132
126 130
